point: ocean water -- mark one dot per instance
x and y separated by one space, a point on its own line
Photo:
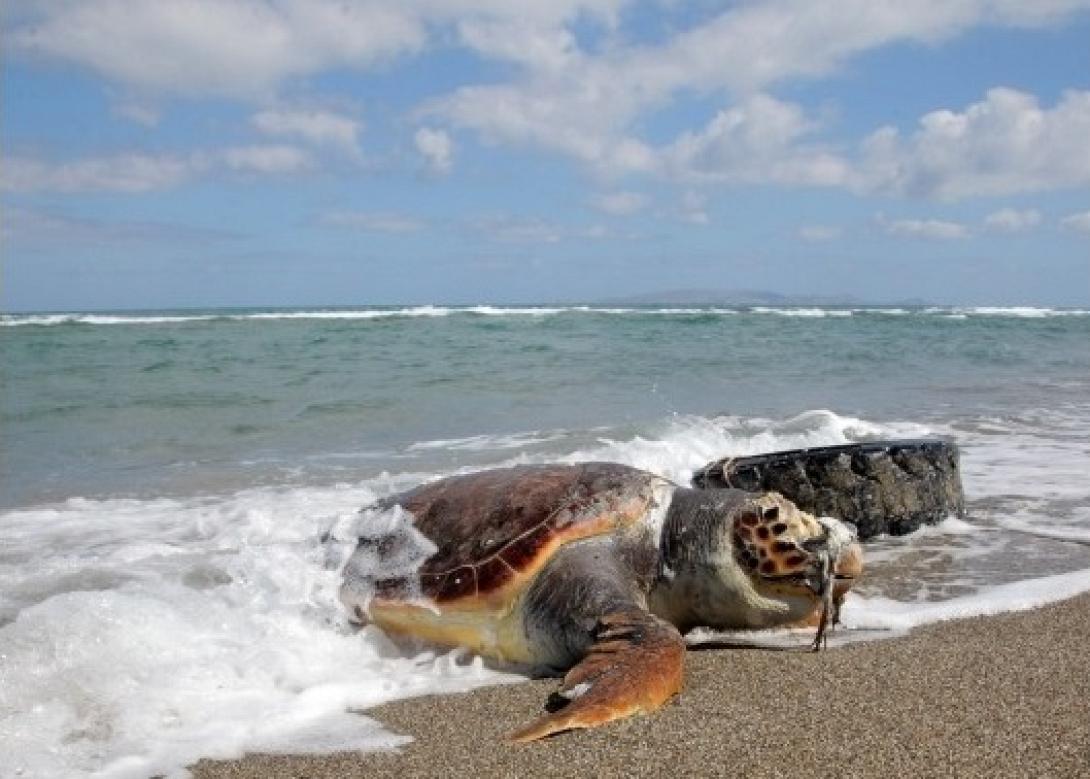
167 478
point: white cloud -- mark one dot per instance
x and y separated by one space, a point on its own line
756 141
1002 145
241 48
620 203
546 47
586 105
120 173
754 45
135 112
34 227
925 228
134 173
564 120
250 48
533 230
320 128
373 221
694 208
819 233
268 159
436 147
1005 144
1079 222
1009 220
506 229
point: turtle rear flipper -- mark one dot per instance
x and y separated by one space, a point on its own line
635 665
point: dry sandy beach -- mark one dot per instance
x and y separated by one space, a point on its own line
998 696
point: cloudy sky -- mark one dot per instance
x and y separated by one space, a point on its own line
308 152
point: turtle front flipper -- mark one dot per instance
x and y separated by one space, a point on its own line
635 665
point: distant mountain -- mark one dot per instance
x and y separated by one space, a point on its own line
735 297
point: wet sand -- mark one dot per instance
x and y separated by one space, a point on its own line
996 696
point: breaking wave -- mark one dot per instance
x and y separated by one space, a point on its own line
141 635
76 318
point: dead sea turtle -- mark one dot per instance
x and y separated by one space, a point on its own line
596 569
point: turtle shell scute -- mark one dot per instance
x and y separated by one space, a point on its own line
494 526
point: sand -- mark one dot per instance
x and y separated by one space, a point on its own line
999 696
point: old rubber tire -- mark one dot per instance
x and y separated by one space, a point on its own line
882 486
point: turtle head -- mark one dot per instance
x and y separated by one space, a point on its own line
790 553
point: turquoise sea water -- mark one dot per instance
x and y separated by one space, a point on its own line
171 403
179 489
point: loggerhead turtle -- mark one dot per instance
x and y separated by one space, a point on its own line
598 568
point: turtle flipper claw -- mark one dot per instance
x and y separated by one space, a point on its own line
635 665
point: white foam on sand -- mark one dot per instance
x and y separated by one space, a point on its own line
875 618
140 636
885 614
1074 528
137 636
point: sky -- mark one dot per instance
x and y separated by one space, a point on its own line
191 153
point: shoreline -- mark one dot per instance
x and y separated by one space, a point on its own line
1002 695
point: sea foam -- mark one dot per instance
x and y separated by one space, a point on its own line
878 613
138 636
155 633
433 311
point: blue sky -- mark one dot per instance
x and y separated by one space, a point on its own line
309 152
